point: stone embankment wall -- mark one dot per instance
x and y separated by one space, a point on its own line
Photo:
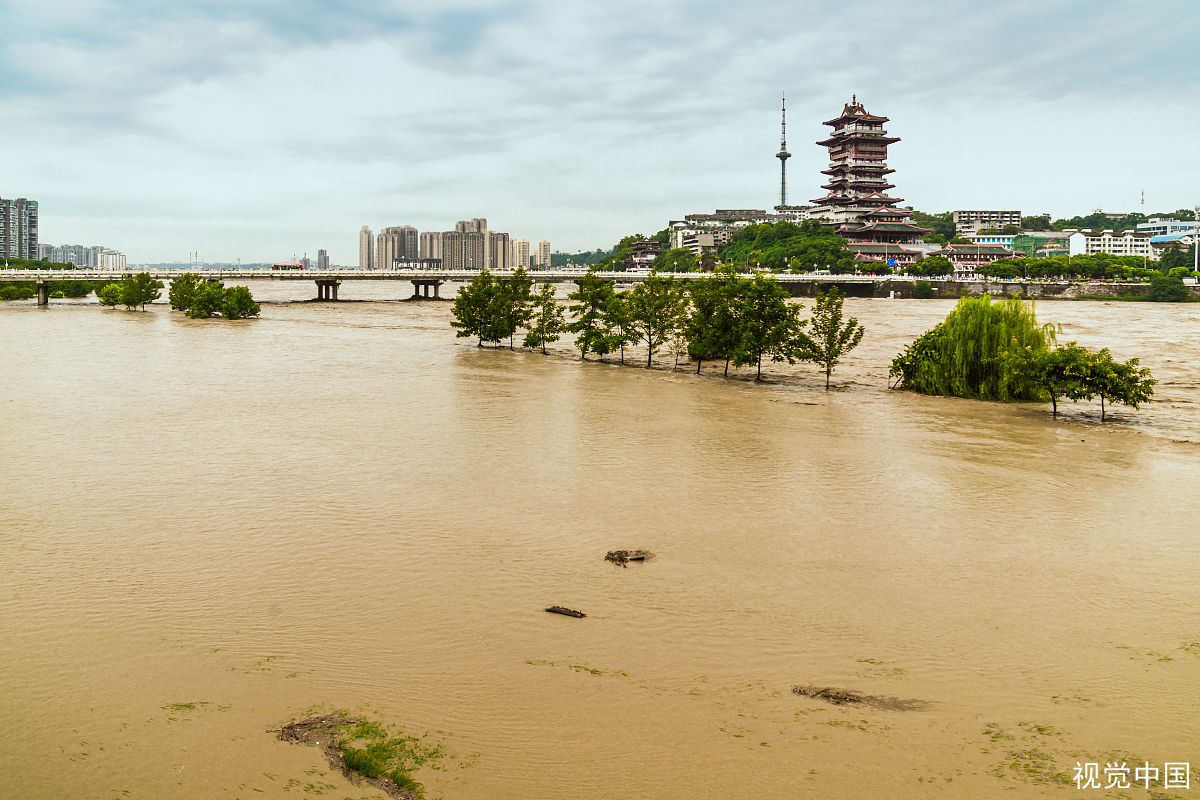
886 287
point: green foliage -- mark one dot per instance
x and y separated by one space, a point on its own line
473 308
923 290
966 355
830 338
1101 266
1058 371
619 326
1040 222
931 267
801 247
238 303
656 310
591 299
369 749
584 258
548 317
110 294
941 223
1126 382
711 325
207 300
934 238
1072 372
140 289
183 288
677 260
17 292
1180 272
766 324
514 307
1165 289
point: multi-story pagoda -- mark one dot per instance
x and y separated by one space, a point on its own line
857 204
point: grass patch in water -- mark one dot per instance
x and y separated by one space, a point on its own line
370 750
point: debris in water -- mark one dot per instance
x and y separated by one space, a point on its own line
842 697
566 612
623 557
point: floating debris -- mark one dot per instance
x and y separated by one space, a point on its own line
623 557
843 697
566 612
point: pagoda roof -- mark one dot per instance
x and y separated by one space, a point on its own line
875 169
878 247
843 136
892 227
854 111
885 211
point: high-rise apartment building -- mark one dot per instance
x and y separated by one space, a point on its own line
520 248
366 248
322 259
543 255
477 225
464 250
500 251
430 245
400 243
19 228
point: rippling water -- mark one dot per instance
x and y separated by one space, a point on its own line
344 506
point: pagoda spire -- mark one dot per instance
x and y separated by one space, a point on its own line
783 155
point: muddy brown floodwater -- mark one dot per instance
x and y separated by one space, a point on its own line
209 529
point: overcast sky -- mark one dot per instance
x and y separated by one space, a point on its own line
256 130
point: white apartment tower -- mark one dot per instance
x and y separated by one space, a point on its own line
520 249
431 244
543 254
366 248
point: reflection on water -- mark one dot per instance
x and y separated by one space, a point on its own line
344 506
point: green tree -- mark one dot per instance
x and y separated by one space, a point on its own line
710 327
931 266
830 339
766 324
513 304
1121 382
183 288
679 259
238 303
969 353
619 324
941 223
1059 372
207 300
474 306
656 308
801 247
140 289
110 294
1040 222
1165 289
548 319
1174 256
590 299
923 290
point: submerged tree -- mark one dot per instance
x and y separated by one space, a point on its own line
1126 382
1058 371
619 325
766 324
207 301
238 303
591 299
473 308
140 289
110 294
711 327
513 304
655 308
548 319
830 339
966 355
183 289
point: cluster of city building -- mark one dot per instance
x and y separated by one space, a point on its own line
469 246
877 228
19 239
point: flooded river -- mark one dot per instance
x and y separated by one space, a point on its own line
209 529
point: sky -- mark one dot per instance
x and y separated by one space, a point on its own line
261 130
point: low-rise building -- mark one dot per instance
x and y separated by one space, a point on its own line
974 221
1117 243
967 258
1158 226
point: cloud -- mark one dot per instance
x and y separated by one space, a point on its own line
256 129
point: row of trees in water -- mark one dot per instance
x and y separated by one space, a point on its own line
987 350
729 317
191 293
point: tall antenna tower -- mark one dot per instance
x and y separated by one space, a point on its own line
783 155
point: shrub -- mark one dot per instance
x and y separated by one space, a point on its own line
238 303
923 290
1165 289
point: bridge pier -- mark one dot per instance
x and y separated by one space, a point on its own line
422 286
327 289
43 293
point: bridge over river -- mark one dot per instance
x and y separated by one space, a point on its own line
426 283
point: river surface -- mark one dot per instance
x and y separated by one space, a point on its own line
211 528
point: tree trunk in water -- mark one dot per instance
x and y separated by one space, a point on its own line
727 368
699 361
1053 406
827 371
650 358
758 374
1102 408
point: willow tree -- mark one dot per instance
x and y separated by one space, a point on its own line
966 355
